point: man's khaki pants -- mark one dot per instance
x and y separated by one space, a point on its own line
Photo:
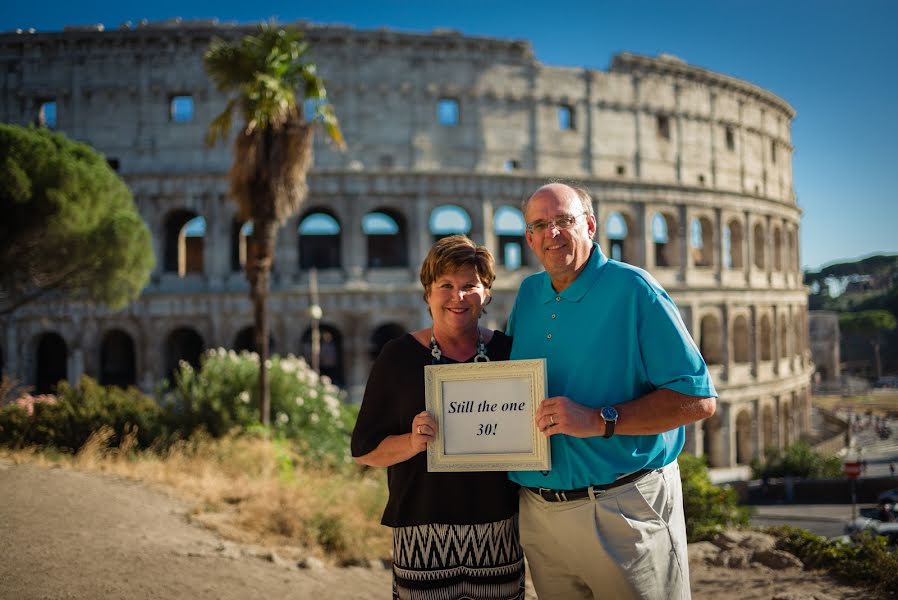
628 542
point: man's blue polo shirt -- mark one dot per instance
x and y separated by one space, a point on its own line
611 336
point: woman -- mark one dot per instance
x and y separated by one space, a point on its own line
455 535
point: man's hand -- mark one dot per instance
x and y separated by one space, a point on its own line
560 414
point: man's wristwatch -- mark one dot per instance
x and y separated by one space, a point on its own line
609 415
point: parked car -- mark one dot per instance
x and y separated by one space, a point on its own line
871 520
887 497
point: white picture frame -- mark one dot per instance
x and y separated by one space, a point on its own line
486 416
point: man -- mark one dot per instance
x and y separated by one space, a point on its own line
624 377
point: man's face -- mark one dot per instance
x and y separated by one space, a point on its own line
562 252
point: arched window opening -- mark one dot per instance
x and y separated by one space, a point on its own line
759 246
184 238
784 339
184 343
240 233
382 335
52 363
733 241
509 227
770 437
118 365
712 442
245 340
616 229
766 339
449 220
319 241
385 232
777 249
667 252
744 453
702 239
741 340
710 340
330 357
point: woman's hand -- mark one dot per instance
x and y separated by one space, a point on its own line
424 429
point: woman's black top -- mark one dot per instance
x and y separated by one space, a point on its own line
393 396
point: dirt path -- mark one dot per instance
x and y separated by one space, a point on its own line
71 535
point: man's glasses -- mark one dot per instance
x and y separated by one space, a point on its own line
559 223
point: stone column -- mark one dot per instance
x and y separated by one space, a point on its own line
489 232
685 244
648 237
353 241
534 102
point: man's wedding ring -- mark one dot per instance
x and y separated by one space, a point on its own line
419 430
552 420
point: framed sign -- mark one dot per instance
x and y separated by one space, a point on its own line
486 416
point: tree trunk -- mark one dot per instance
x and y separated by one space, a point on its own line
258 270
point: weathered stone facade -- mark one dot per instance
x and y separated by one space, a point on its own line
691 172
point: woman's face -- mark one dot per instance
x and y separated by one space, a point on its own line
456 300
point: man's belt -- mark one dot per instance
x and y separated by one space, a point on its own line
567 495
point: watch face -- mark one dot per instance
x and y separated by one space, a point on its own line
609 413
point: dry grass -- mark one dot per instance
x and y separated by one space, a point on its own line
251 490
883 402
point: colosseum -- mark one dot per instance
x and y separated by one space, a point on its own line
690 170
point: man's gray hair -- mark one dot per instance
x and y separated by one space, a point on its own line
582 195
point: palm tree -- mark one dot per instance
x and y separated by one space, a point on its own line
269 78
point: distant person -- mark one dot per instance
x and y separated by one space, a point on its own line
892 469
455 535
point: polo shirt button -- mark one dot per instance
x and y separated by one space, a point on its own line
553 316
549 337
557 298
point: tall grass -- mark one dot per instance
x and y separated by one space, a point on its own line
250 489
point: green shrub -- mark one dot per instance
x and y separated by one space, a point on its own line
797 460
68 419
708 508
866 560
222 395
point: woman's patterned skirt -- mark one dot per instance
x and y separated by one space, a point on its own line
458 562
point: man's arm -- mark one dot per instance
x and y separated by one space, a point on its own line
656 412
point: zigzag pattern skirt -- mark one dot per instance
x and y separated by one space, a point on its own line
484 561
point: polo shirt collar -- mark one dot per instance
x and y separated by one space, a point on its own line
582 284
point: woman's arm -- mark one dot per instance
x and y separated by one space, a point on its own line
395 449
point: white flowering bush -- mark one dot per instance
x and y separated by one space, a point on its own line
306 409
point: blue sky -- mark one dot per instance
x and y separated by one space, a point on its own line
834 61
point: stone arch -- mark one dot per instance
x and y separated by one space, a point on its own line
712 440
245 340
621 242
777 249
240 232
744 445
786 414
449 219
766 341
710 340
386 234
768 425
183 343
733 242
666 240
52 362
701 241
759 246
383 334
185 233
741 340
319 239
509 227
118 360
330 358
